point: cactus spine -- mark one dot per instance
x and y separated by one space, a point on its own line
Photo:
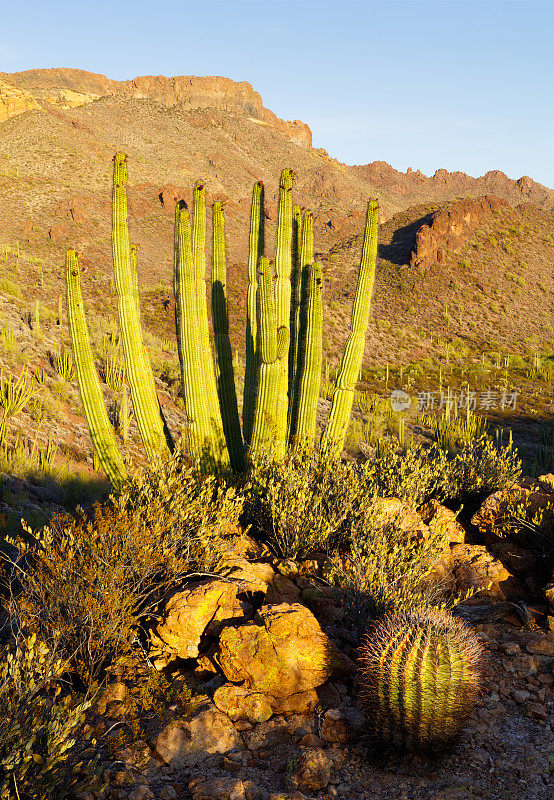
343 396
271 346
283 266
200 432
420 676
101 431
223 350
255 251
139 372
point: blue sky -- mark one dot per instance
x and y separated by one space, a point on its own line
458 84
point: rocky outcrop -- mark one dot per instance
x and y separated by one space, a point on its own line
445 185
449 228
14 101
73 87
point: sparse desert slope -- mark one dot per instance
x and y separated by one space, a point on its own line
461 259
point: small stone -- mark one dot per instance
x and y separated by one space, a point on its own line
141 793
311 740
217 789
543 647
310 770
167 793
511 648
334 727
521 695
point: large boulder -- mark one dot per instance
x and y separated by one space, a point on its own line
282 653
203 607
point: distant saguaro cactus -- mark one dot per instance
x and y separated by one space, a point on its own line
420 676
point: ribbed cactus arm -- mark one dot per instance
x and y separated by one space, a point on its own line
305 261
343 396
283 265
255 252
200 434
101 431
310 360
271 345
139 372
223 351
296 299
199 255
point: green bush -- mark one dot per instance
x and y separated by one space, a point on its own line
37 726
88 581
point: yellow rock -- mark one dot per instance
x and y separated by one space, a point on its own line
14 101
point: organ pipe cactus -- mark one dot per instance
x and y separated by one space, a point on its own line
343 396
420 675
199 432
255 251
223 350
206 358
273 343
139 372
281 381
310 360
283 267
101 431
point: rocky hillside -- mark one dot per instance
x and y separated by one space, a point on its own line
464 264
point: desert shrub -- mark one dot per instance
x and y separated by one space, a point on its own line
153 699
38 722
385 566
310 501
303 502
415 473
10 287
482 467
85 582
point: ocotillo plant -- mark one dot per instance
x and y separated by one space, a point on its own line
279 391
420 676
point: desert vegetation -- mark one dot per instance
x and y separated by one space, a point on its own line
294 542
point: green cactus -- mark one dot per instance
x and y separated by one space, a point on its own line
146 406
255 251
343 396
296 301
310 358
283 267
420 674
272 343
199 255
223 351
199 431
281 382
101 431
300 301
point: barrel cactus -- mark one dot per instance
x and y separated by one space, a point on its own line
420 674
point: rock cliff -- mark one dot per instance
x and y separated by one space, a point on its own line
73 87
